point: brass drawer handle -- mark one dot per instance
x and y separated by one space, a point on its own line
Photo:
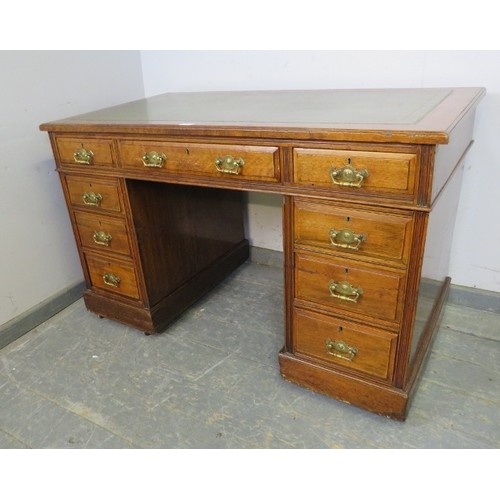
83 156
345 238
348 175
111 280
344 291
228 165
102 238
340 349
91 198
153 159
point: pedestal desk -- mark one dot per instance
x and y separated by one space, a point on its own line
370 182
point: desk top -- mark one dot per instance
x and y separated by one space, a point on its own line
380 115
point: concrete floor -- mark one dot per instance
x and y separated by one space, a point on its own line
212 381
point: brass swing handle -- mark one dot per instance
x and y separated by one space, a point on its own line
83 156
340 349
343 290
111 279
153 159
102 238
348 175
91 198
229 165
345 238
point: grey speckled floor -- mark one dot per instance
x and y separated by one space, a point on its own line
212 381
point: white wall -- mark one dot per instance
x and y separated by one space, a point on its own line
475 256
38 257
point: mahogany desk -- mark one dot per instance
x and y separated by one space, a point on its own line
370 182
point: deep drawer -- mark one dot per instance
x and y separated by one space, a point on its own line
112 276
356 172
84 151
342 343
97 194
346 285
101 232
256 163
383 236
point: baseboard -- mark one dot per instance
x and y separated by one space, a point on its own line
18 326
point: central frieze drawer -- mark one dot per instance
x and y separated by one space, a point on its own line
351 231
257 163
358 172
342 284
342 343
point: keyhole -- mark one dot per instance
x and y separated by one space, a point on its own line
346 270
341 328
187 151
348 219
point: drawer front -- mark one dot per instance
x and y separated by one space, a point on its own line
112 276
346 285
357 172
341 343
256 163
85 152
97 194
354 232
101 232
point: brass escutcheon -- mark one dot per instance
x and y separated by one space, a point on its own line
102 238
348 175
340 349
153 159
228 165
83 156
345 238
343 290
91 198
111 279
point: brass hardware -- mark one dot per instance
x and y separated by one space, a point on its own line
340 349
345 238
102 238
111 279
228 165
348 175
92 198
153 159
83 156
344 291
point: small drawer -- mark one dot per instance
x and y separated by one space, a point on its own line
112 276
353 231
349 286
345 344
98 194
356 172
101 232
255 163
85 151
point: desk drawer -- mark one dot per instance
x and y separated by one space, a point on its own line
112 276
102 232
342 343
97 194
342 284
256 163
357 172
85 151
353 231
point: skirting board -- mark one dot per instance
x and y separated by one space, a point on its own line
15 328
35 316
